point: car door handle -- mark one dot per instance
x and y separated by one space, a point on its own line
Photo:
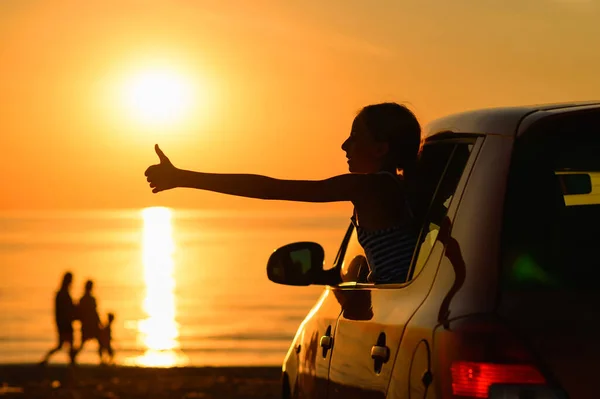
380 353
326 342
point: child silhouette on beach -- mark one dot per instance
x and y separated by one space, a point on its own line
384 139
105 340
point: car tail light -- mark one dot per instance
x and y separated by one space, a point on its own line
472 355
473 379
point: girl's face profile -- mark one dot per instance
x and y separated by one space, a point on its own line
364 153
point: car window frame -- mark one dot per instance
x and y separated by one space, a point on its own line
477 141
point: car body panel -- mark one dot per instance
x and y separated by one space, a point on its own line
459 280
504 121
563 335
305 366
384 310
476 230
413 356
369 312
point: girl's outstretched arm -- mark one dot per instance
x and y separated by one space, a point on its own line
347 187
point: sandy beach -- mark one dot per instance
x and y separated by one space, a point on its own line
34 381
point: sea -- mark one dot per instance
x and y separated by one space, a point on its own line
187 287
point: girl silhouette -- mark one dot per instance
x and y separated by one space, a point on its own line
384 139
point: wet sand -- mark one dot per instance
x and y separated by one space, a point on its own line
34 381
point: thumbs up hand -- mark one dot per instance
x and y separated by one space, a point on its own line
162 176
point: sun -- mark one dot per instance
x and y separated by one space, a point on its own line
158 97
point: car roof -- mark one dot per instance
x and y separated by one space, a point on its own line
506 121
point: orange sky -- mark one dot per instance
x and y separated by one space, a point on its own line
276 83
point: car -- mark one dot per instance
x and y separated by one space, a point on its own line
502 299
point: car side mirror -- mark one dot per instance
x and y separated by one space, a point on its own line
299 263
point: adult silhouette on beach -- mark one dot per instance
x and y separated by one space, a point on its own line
87 313
64 314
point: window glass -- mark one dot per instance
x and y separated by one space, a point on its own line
354 267
550 231
443 165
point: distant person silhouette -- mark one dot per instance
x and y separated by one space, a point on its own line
87 313
64 314
384 139
105 340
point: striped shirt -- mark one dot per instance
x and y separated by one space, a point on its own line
388 251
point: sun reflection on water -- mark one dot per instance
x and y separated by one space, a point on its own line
159 332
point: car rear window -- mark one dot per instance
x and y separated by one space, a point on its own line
550 232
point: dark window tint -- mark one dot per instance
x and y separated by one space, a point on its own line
552 209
